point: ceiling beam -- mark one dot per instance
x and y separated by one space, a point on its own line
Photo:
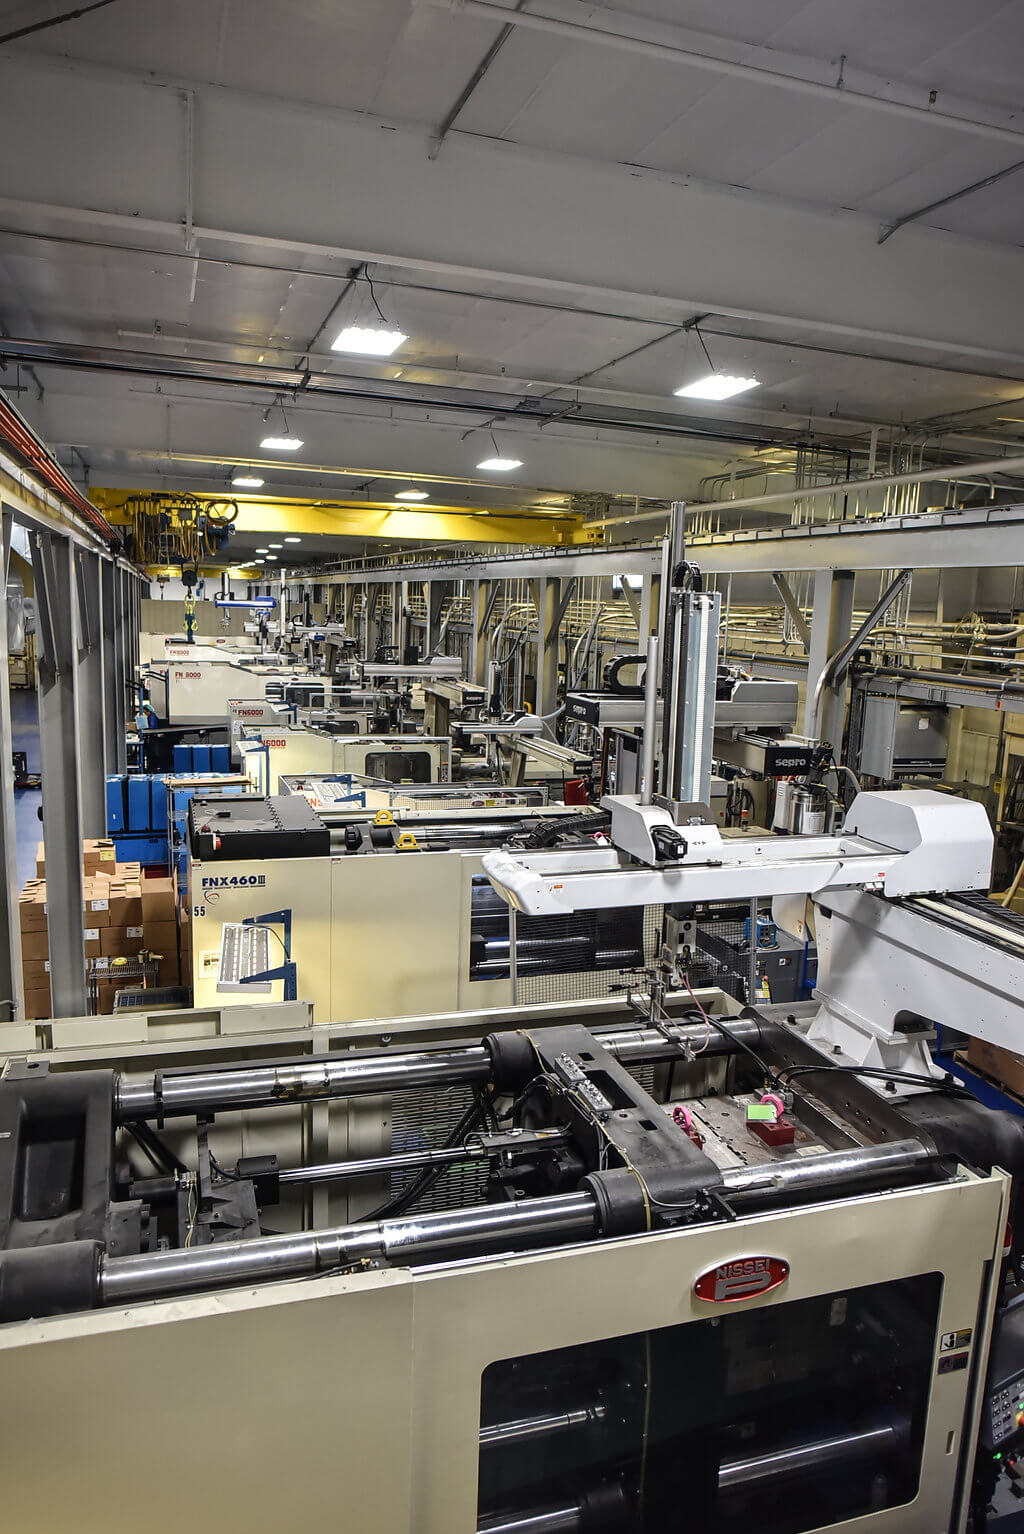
838 91
816 269
944 202
452 117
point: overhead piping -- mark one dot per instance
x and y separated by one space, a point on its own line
535 411
27 445
948 471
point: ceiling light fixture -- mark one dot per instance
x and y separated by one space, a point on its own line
413 495
288 442
261 551
249 481
716 385
272 557
364 341
498 464
293 540
377 339
274 545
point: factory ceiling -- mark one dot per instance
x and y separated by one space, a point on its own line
570 211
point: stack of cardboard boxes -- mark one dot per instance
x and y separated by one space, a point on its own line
124 915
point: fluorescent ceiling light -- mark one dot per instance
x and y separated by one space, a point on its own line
501 465
261 551
246 482
368 342
272 557
275 545
413 495
293 540
287 444
718 386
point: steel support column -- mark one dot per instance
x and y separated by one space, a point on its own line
831 619
112 674
399 617
545 594
476 670
91 701
650 598
435 592
373 601
11 990
351 592
123 666
53 568
833 714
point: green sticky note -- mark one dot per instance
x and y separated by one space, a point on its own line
764 1112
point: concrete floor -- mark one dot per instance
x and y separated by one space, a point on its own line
25 737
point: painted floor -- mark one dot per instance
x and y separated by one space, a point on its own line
27 801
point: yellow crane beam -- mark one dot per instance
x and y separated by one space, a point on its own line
425 522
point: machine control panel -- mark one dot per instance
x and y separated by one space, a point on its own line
1006 1410
1003 1418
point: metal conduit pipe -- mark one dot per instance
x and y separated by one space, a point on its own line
545 1424
860 1167
531 1223
949 679
192 1270
172 1094
817 1456
566 1518
378 1166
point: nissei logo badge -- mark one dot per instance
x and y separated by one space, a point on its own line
741 1279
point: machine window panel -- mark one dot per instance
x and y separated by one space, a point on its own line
398 766
548 945
782 1419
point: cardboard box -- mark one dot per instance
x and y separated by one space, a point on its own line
98 855
120 942
161 936
32 908
35 944
105 996
96 903
36 975
93 945
1002 1064
40 861
125 904
157 900
168 973
37 1003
